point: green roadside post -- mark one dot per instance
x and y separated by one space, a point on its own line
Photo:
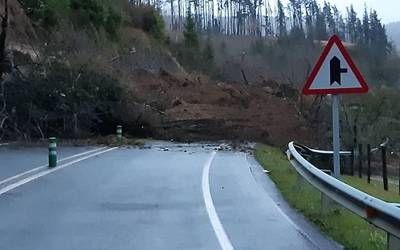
52 152
119 134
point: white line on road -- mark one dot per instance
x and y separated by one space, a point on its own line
41 174
4 144
44 166
223 238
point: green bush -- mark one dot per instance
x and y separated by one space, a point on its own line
149 20
84 14
112 24
60 100
42 11
208 64
88 12
153 23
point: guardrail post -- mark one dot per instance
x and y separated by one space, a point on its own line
52 152
360 160
393 242
369 162
119 134
384 169
352 162
355 134
354 151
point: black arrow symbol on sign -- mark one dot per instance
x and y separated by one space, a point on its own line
336 71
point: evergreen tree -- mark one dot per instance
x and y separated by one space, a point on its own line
351 24
191 38
208 56
366 28
329 18
281 20
340 23
309 21
359 33
378 39
320 26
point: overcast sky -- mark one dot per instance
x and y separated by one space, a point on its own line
388 10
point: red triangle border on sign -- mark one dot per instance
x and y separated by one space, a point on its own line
335 40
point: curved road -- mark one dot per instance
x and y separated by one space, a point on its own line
168 196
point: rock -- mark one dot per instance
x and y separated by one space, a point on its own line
270 83
176 102
185 84
269 90
286 90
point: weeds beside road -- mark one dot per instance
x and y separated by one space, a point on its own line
375 188
342 225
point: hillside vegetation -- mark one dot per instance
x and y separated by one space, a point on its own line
76 77
253 45
78 68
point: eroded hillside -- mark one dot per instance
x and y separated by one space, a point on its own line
159 98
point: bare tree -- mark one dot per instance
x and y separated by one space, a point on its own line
172 15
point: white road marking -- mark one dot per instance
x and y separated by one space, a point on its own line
49 171
222 237
4 144
45 166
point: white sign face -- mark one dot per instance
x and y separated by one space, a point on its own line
335 72
344 77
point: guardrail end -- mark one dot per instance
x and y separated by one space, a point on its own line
289 155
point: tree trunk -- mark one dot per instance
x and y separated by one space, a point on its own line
172 14
179 16
75 120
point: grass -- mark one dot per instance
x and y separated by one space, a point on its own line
375 188
340 224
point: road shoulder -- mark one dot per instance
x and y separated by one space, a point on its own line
323 241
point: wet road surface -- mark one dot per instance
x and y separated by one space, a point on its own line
167 196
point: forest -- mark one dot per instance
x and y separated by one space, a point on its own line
258 18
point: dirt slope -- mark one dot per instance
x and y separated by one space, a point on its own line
185 107
200 108
20 30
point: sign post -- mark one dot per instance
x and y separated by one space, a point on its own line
335 73
336 135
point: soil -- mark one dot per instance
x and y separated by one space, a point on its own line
172 104
197 108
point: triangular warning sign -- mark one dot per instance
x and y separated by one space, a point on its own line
335 72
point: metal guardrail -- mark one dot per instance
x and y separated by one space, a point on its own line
380 213
304 148
345 153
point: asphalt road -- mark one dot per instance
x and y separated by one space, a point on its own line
167 196
15 159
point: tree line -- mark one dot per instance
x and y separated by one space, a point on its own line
261 18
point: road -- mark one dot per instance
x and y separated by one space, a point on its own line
166 196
